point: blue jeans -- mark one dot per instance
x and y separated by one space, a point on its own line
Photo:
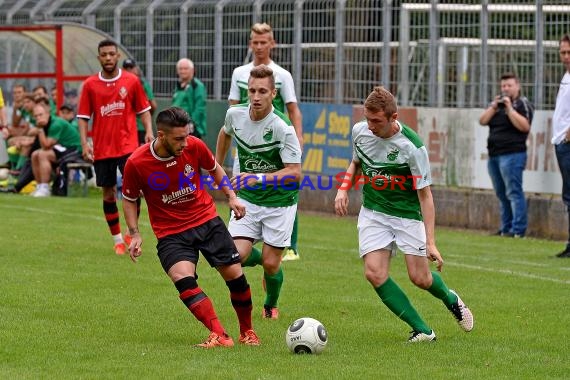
563 158
506 172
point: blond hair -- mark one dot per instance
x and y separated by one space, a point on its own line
261 28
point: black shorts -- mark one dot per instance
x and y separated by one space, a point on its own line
141 135
106 170
211 238
67 153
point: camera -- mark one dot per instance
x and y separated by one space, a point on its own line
501 101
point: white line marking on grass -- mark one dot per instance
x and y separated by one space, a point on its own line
476 267
510 272
71 215
50 212
517 262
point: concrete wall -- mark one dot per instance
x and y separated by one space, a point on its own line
465 208
460 208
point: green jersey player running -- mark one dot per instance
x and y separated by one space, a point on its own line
269 155
397 212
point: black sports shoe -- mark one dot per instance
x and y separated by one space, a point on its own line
564 254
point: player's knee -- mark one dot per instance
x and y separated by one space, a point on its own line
422 281
271 263
375 278
238 285
271 266
185 283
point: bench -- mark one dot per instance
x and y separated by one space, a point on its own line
83 183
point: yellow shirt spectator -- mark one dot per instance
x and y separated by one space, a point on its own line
3 120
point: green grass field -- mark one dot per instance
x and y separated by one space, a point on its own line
70 308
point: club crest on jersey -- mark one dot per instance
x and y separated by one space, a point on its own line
188 169
123 92
393 155
268 134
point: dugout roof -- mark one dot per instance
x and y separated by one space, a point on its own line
64 52
79 44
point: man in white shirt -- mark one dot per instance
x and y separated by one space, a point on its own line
561 131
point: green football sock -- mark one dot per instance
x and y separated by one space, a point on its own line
273 285
294 233
397 301
253 259
438 289
21 162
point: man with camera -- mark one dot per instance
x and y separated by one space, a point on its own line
509 117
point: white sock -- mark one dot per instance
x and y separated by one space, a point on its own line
118 238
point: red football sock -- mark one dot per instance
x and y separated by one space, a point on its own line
203 309
112 216
243 307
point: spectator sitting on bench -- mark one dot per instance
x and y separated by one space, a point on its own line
61 141
21 137
67 112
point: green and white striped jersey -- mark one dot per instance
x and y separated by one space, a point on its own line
395 168
283 83
264 147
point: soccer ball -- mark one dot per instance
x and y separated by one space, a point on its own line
306 336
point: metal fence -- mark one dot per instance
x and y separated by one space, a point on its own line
429 53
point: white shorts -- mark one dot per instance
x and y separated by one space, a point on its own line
377 231
272 225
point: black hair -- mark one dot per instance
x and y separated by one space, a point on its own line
509 75
42 87
105 43
43 101
172 117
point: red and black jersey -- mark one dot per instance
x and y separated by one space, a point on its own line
171 186
113 104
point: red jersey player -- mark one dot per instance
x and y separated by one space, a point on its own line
184 219
112 99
